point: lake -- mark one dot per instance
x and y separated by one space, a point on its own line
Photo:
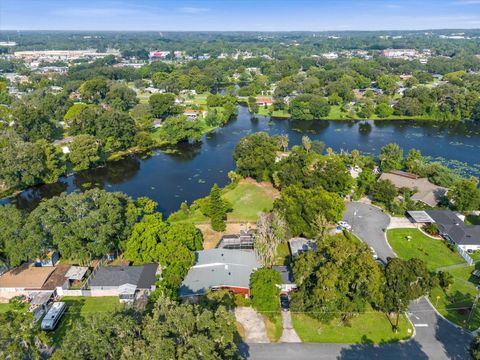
189 174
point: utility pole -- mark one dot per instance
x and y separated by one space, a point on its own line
473 307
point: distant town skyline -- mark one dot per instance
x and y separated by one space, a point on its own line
244 15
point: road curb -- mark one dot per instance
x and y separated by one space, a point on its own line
444 318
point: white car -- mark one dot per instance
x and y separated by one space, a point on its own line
344 225
374 253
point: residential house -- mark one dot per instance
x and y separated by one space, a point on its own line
124 281
300 245
63 143
220 269
288 283
28 279
426 192
451 227
192 114
264 101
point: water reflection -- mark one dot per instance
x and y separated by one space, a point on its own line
189 173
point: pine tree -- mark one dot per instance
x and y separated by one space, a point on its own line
217 209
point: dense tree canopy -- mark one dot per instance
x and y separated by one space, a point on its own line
255 155
80 226
338 280
171 245
264 290
300 207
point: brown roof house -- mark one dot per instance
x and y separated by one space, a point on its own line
426 192
27 279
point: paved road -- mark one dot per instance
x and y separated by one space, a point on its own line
435 337
368 223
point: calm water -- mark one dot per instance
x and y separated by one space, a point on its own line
170 179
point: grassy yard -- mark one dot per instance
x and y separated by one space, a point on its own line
455 303
473 220
283 254
5 307
371 327
249 199
274 326
77 307
276 113
435 253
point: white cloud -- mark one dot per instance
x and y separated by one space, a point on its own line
192 10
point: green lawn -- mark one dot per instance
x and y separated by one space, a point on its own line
283 254
5 307
371 327
274 326
435 253
455 303
473 220
77 307
276 113
249 200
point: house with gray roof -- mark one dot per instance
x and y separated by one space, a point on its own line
300 245
220 269
452 228
123 281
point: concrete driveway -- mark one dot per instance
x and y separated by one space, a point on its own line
289 335
253 324
368 223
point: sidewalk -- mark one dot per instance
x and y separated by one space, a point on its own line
289 334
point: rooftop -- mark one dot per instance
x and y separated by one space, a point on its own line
300 245
427 193
450 224
26 277
143 276
217 268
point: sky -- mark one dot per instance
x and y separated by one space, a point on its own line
238 15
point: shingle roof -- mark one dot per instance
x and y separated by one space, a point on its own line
286 273
219 268
427 192
142 276
450 224
299 245
26 276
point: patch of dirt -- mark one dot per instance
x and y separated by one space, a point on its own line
211 238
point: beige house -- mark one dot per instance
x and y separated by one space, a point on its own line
426 192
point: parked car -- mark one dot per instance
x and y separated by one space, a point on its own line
344 225
374 253
284 302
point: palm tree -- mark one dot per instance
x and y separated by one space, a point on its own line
283 141
307 143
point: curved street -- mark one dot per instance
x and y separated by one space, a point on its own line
435 337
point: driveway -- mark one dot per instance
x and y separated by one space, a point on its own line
368 223
289 335
253 324
435 338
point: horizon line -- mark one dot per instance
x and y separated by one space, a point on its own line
246 31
